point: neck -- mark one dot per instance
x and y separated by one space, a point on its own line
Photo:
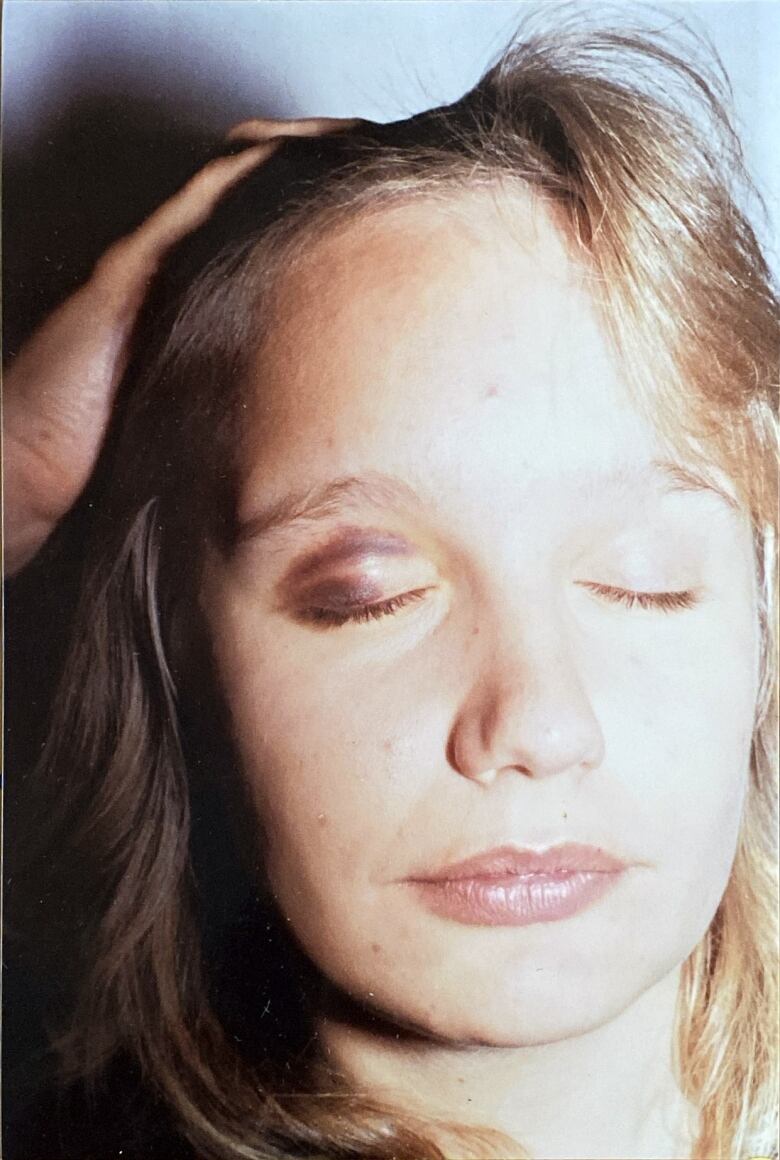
609 1092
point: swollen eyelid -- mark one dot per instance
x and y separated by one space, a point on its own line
341 594
330 616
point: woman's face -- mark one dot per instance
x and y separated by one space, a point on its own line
432 645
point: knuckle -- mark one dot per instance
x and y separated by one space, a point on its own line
121 265
116 259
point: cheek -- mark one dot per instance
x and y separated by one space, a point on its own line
337 765
680 727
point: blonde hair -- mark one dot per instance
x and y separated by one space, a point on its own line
627 136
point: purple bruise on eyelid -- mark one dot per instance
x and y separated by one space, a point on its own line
349 546
343 595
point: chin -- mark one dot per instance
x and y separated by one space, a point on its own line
501 988
518 1012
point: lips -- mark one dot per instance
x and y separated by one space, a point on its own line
509 860
508 886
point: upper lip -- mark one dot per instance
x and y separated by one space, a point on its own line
503 861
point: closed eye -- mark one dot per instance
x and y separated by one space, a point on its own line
361 613
675 601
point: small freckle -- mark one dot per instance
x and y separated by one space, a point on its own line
475 630
376 949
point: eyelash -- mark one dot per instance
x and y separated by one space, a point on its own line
657 601
331 618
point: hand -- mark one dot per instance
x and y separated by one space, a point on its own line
59 392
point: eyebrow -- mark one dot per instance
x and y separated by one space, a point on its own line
373 488
379 490
675 477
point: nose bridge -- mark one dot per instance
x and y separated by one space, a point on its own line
528 706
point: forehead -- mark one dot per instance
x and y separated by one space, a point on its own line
432 322
413 270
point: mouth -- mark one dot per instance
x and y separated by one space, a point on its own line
508 886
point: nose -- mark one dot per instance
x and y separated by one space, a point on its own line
527 710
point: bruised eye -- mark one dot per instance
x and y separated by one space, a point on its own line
675 601
356 613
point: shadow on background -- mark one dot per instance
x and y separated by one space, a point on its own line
102 162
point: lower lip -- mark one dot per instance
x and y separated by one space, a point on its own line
516 899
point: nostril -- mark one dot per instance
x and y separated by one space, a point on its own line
536 732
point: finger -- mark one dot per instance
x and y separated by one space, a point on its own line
135 257
59 391
266 128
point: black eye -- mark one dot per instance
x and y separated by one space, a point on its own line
362 613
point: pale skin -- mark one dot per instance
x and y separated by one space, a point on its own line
458 368
515 698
